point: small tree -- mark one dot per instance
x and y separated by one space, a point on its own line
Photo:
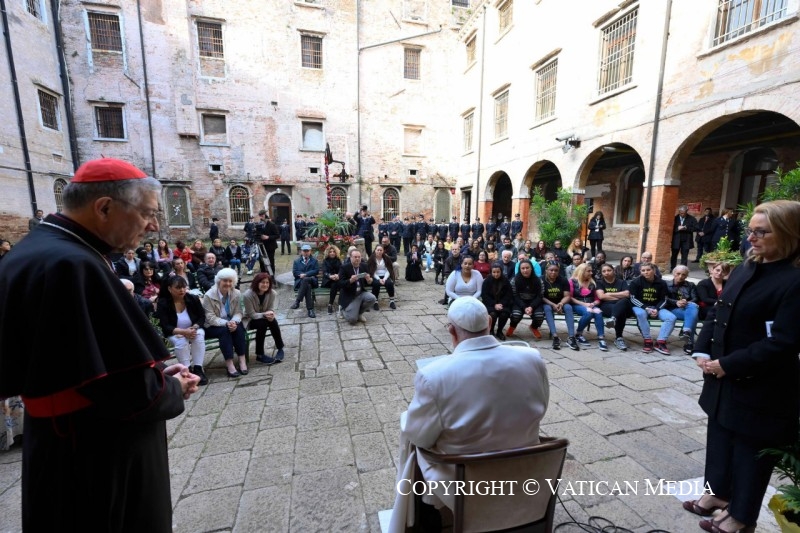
558 220
787 187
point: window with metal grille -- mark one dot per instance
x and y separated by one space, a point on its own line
339 199
209 40
505 14
312 136
546 90
468 129
176 201
460 3
501 115
631 193
391 204
105 32
443 204
616 53
311 51
34 8
738 17
239 203
471 48
58 193
48 108
411 63
412 138
110 122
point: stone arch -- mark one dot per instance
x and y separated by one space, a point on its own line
544 174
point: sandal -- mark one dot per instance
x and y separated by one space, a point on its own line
693 507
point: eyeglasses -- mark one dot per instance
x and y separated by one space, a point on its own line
758 233
147 214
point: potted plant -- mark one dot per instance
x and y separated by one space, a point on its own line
722 254
329 229
559 220
786 505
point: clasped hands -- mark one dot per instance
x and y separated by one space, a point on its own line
189 382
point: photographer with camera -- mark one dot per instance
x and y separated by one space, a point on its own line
365 231
266 237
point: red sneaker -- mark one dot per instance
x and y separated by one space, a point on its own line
510 331
536 332
661 347
648 346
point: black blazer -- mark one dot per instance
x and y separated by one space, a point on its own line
349 290
168 316
760 393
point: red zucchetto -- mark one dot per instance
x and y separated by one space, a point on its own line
106 169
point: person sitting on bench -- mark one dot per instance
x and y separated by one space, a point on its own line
305 269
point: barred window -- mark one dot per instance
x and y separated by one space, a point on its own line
110 122
616 53
460 3
105 32
471 48
311 51
546 90
34 8
176 201
468 130
239 204
505 14
501 115
58 193
738 17
209 40
48 109
339 199
411 63
391 204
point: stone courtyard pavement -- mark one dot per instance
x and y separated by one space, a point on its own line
312 444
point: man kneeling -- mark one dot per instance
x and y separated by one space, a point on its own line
484 397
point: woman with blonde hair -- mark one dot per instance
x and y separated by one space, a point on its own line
586 304
748 352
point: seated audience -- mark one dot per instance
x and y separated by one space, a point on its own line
460 407
146 252
682 301
577 260
451 263
557 300
709 289
331 266
5 247
222 304
181 316
207 272
127 266
597 264
482 265
615 302
646 257
465 281
586 304
148 282
527 299
305 269
577 247
539 251
391 252
179 269
649 299
624 270
508 264
498 298
259 314
414 264
165 256
233 256
218 250
354 282
561 253
491 252
381 269
199 252
144 304
439 256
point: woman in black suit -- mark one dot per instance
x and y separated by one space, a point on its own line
182 318
596 227
748 352
709 289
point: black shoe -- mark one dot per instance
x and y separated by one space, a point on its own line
500 336
392 305
233 374
294 305
197 370
330 309
375 306
556 343
244 372
267 360
443 301
688 348
572 342
279 355
311 314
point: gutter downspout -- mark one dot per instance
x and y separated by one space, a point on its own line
146 89
656 119
26 155
62 70
480 117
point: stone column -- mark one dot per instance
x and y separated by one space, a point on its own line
663 206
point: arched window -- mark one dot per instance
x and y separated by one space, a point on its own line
339 199
391 204
58 191
177 210
443 204
239 204
631 193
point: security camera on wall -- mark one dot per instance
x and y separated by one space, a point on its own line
566 137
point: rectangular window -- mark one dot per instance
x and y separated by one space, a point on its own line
110 122
105 32
412 138
468 129
546 90
48 109
311 51
501 115
460 3
616 53
34 8
176 206
215 128
471 47
415 10
738 17
411 63
209 40
505 14
312 136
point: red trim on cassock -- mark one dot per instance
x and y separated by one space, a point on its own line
60 403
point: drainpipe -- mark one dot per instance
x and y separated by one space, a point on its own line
146 89
62 70
656 119
480 116
23 140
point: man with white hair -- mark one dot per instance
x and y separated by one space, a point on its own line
355 282
483 397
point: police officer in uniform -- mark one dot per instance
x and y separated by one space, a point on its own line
299 230
395 232
465 230
491 228
441 230
408 235
477 228
516 227
504 228
452 228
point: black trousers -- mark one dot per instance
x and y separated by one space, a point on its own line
368 246
703 247
261 325
406 245
287 244
596 246
735 472
536 318
270 254
684 251
305 291
620 310
499 319
395 241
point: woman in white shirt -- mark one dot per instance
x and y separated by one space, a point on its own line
381 269
464 282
